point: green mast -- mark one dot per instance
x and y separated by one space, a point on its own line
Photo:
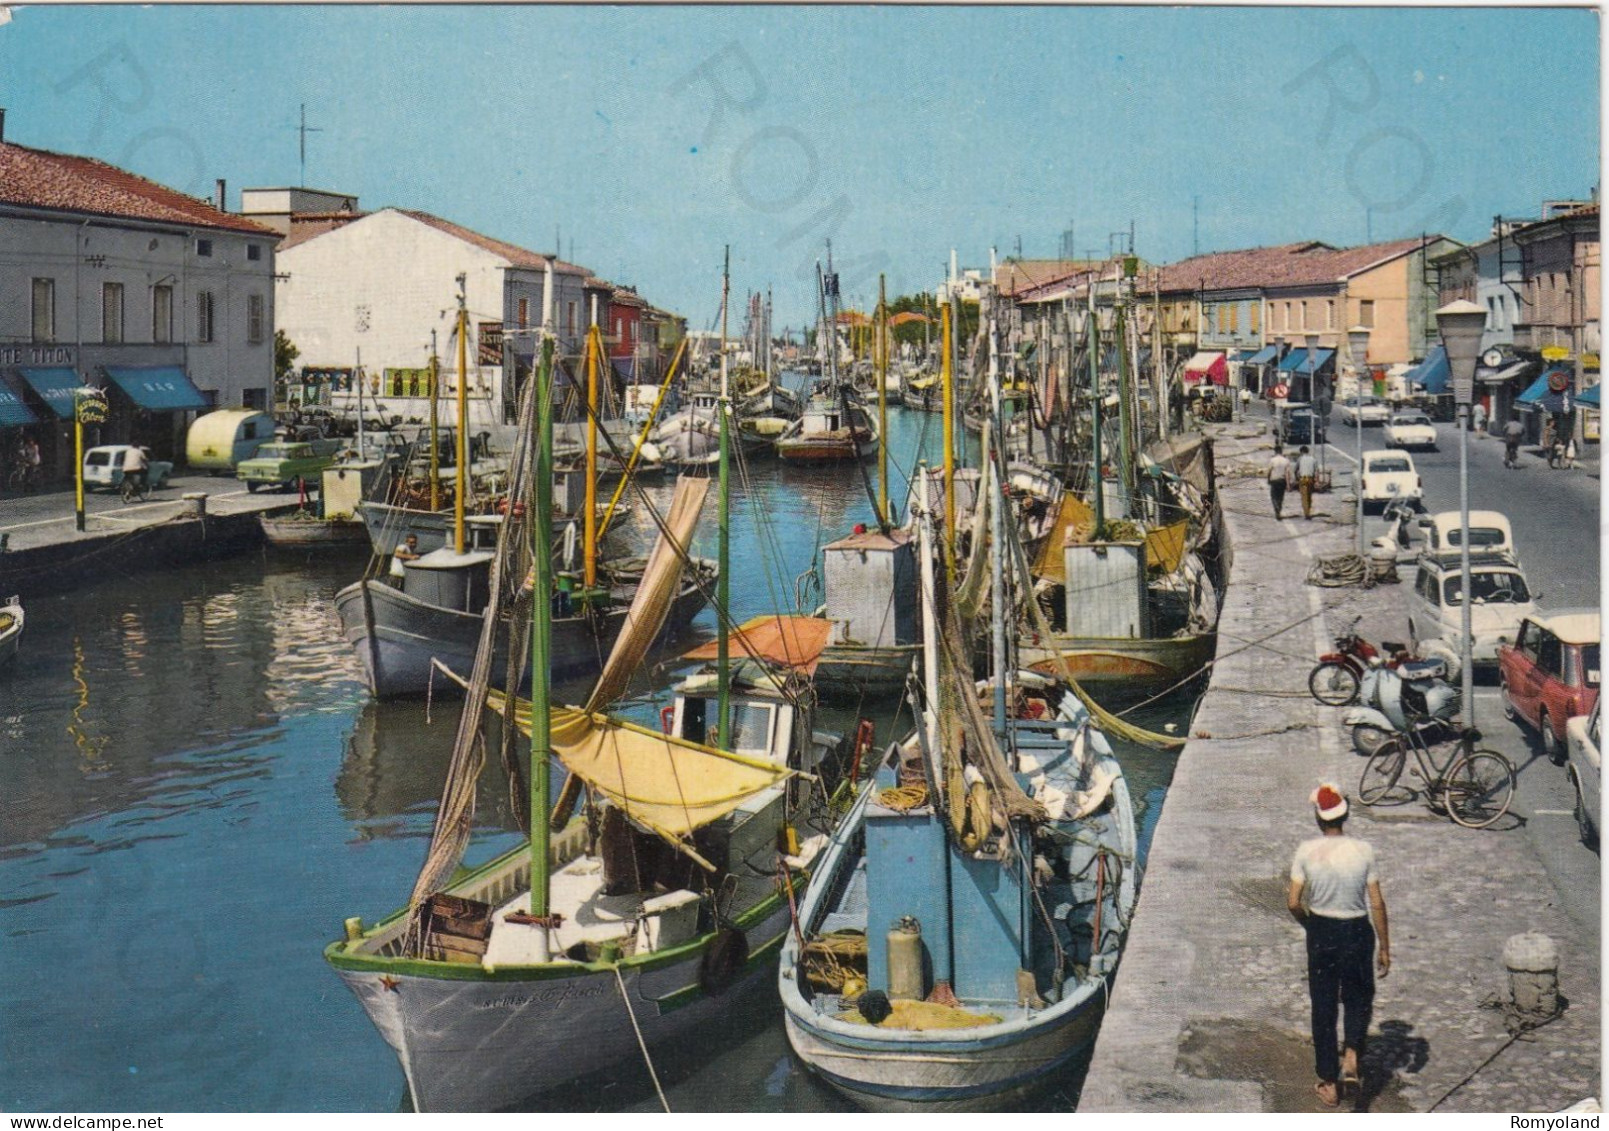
723 577
541 628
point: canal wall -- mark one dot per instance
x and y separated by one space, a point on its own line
1210 1008
54 557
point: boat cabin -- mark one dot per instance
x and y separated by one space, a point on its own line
870 588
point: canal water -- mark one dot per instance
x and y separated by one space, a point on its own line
197 791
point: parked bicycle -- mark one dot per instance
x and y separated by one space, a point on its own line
1474 787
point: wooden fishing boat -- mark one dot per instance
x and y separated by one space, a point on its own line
12 621
301 529
923 394
611 935
832 429
958 942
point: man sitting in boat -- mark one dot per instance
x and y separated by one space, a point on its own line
407 552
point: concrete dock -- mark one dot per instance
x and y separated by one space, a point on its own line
46 553
1210 1010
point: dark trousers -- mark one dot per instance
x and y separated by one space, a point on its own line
1340 979
1276 495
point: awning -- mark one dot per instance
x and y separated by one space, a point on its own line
1210 365
13 411
1264 356
1244 356
1433 373
56 386
1296 361
1502 375
1542 396
159 388
1589 398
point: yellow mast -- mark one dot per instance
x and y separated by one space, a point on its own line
435 448
946 379
460 481
589 524
880 353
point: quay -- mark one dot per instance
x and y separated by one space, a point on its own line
1210 1010
43 552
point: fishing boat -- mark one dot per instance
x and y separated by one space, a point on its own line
613 933
957 943
834 426
333 521
923 394
12 621
430 607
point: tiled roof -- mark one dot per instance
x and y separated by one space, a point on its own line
1017 275
1287 265
38 178
1052 286
307 225
516 255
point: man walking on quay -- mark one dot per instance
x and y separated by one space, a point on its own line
1279 472
1306 470
1334 895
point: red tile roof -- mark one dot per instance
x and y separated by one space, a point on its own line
518 256
1017 275
38 178
1306 263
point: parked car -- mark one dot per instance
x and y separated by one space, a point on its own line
1387 476
1489 532
1368 410
1502 601
1297 424
1585 773
1410 430
103 467
281 464
1550 674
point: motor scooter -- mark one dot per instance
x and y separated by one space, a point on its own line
1338 676
1401 517
1392 698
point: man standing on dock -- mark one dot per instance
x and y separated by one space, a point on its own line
1279 471
1334 895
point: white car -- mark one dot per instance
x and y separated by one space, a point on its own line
1581 735
1387 476
1410 430
103 467
1502 602
1370 410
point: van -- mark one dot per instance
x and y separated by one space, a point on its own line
219 441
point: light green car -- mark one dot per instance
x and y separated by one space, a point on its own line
282 463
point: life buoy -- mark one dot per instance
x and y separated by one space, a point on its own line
1280 392
1558 381
723 960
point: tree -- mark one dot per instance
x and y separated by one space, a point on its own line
285 355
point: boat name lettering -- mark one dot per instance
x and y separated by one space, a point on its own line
544 997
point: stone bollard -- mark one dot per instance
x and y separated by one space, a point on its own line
1383 563
1533 975
1349 510
195 504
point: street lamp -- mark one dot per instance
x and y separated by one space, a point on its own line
1462 323
1358 343
1321 426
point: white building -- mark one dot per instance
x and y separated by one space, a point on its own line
113 281
381 288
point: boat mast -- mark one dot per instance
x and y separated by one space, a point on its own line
930 638
947 384
1125 410
830 301
723 674
435 409
883 514
997 577
1098 489
541 627
462 452
589 523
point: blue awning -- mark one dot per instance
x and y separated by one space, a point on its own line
1541 396
1296 361
1433 373
56 386
1263 356
1589 397
13 411
159 388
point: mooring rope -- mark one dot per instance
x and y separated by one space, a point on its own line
641 1044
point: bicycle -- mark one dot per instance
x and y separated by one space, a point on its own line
1474 788
134 487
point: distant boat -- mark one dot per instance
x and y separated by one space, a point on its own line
12 621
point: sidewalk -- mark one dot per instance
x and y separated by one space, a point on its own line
1210 1011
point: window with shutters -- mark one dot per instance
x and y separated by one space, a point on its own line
204 324
162 314
111 312
255 319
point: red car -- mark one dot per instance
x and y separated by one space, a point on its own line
1550 673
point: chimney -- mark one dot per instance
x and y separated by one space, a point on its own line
223 198
2 123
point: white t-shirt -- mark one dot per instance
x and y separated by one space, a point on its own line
1337 872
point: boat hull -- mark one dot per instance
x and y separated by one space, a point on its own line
11 634
1137 666
849 675
825 449
396 637
300 533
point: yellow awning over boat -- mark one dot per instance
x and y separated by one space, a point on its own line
1164 547
924 383
1074 523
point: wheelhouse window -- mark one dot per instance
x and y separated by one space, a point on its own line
751 726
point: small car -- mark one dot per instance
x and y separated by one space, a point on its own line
1586 773
103 467
1298 424
1489 532
1549 674
1502 601
1410 430
1367 410
282 463
1387 476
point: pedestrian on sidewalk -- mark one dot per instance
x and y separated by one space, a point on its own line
1335 896
1279 471
1513 433
1478 414
1306 470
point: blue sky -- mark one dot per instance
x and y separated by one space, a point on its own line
900 132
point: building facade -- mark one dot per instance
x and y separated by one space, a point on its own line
111 281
